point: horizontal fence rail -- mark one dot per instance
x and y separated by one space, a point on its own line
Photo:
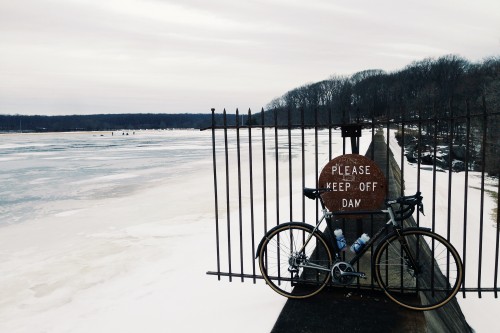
262 162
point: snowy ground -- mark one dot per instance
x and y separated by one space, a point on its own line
137 261
129 263
474 308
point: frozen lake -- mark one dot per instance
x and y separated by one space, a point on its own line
40 170
114 233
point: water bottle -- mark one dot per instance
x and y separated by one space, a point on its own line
341 243
360 243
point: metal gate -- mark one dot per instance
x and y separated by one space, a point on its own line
262 163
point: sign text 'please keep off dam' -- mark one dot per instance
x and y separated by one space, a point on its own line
355 182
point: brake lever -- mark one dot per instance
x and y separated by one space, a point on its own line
421 208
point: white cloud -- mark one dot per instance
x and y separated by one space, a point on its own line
107 53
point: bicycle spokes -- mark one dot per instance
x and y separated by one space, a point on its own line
295 262
420 271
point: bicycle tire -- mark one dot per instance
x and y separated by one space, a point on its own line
281 264
434 282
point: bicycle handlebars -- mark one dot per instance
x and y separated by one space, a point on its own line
406 200
410 202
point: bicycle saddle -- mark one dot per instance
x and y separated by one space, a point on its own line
313 193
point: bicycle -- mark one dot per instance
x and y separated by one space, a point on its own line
415 267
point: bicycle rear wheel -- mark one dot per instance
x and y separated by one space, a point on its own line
290 268
430 282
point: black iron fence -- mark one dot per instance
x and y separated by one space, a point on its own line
263 161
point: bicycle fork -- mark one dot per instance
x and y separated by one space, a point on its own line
412 263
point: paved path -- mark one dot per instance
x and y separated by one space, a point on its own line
342 310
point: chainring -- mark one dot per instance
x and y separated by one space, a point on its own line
337 270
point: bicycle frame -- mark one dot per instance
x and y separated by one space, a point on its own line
328 215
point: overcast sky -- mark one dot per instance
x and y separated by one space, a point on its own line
163 56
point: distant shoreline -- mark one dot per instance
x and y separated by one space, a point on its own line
109 122
96 131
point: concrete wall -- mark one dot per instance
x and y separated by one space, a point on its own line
448 318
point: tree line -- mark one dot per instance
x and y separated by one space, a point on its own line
101 122
449 85
451 100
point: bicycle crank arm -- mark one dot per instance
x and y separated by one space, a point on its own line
315 266
355 274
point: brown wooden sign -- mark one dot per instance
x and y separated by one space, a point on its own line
356 183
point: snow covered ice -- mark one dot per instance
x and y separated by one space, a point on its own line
115 234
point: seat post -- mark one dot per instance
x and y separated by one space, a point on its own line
321 201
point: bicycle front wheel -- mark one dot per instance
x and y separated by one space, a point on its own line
294 261
420 271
